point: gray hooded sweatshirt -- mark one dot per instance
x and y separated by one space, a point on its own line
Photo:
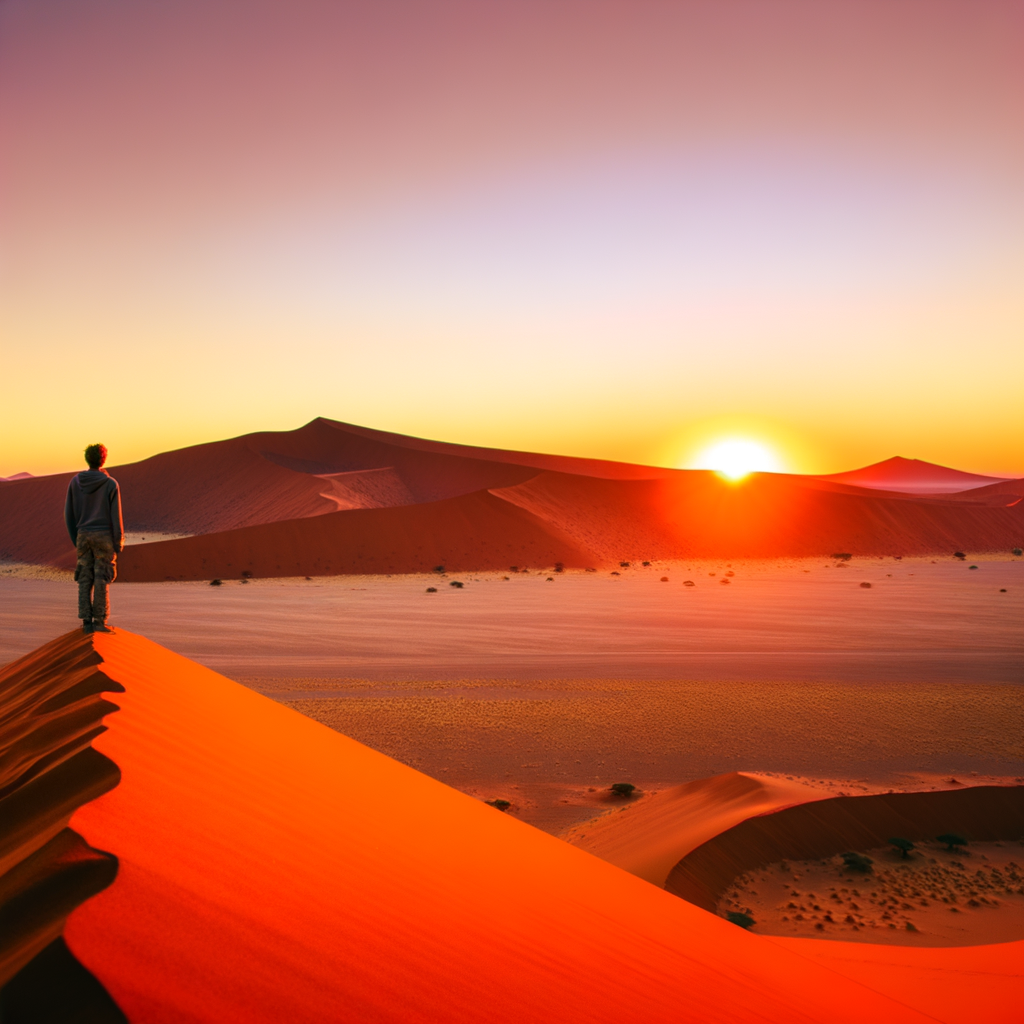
93 505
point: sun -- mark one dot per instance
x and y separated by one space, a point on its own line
735 457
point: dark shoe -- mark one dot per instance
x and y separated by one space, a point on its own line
86 626
99 626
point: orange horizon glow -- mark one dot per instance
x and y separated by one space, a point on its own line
598 229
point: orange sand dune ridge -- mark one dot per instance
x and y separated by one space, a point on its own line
274 870
649 838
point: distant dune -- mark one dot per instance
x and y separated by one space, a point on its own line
913 477
273 870
332 498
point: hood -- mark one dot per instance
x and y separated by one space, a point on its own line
91 480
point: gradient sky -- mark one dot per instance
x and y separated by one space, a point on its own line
616 229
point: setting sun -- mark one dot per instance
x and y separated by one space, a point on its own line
736 457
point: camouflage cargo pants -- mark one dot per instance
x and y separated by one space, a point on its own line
96 569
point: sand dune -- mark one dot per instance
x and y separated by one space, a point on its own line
650 837
983 984
273 870
830 827
475 531
912 476
698 514
588 522
586 511
272 476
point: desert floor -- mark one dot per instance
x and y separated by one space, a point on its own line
545 688
934 897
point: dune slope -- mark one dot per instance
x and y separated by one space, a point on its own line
274 870
829 827
50 711
649 838
278 475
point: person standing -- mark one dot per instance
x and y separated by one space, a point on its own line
92 513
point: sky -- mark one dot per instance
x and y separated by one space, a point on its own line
627 230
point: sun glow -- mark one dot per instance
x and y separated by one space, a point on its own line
735 457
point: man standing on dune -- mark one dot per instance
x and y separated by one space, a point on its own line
92 512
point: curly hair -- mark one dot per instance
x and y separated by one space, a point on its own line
96 455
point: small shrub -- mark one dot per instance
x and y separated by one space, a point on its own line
559 567
456 584
622 788
438 568
624 565
903 845
645 563
664 579
858 862
972 567
866 586
689 583
216 583
501 805
431 590
842 556
952 841
959 554
513 568
1017 551
743 920
551 579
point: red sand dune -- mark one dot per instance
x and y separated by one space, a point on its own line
912 476
581 521
650 837
271 476
333 498
274 870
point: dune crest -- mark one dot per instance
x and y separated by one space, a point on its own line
650 837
